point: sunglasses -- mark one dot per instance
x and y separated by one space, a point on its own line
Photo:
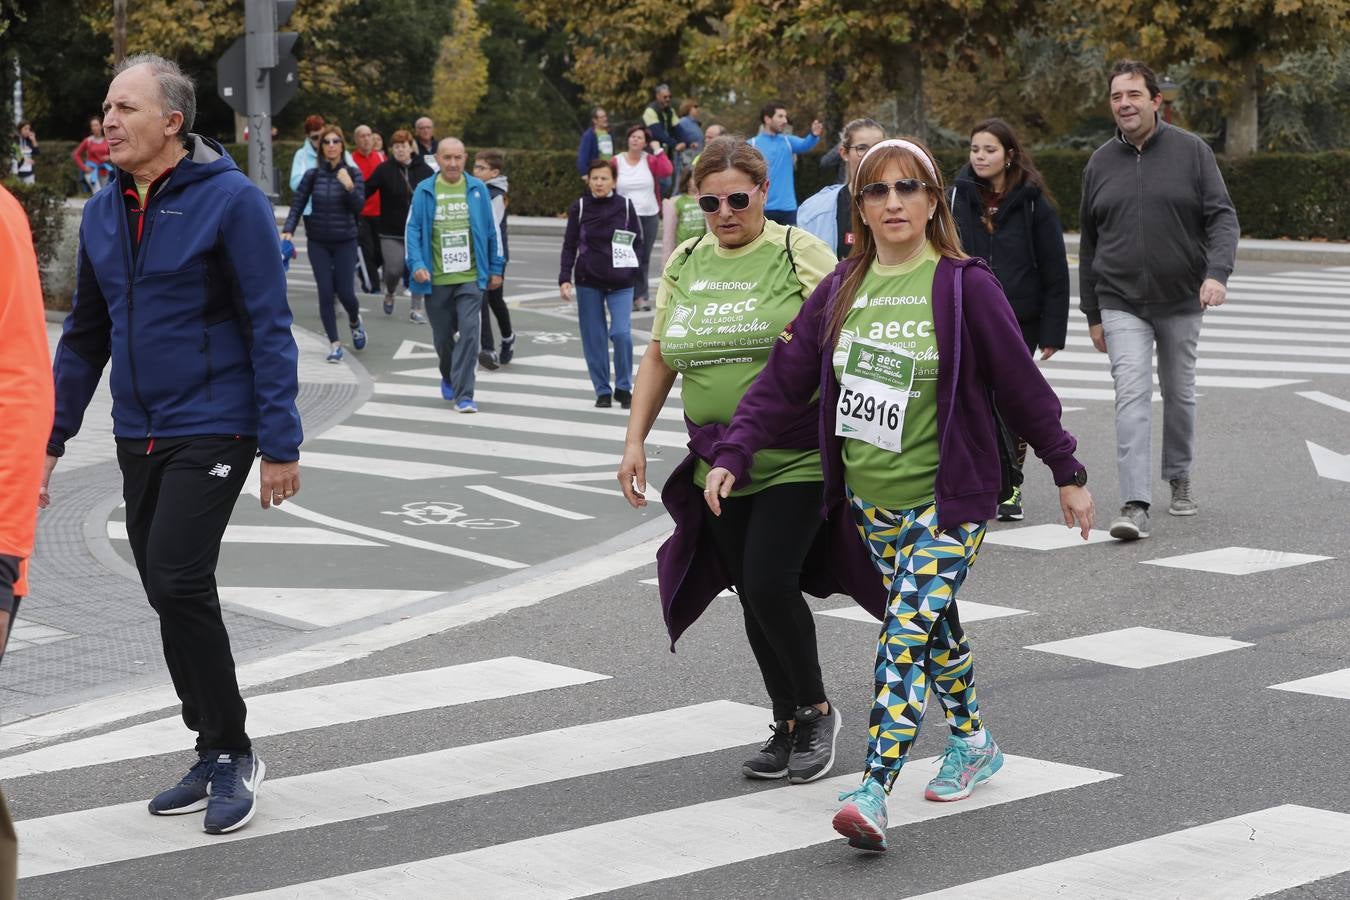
739 200
334 140
880 191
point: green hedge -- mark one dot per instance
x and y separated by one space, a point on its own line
44 205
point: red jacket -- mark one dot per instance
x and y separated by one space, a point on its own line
367 163
26 392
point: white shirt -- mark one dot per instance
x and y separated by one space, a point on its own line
636 183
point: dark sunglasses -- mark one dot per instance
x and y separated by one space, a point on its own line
332 140
880 191
711 203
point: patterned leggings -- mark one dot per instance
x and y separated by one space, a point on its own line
922 569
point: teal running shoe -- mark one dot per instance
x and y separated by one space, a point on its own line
963 767
862 819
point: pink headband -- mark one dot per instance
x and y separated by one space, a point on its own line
905 145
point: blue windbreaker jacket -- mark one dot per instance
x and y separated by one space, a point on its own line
196 323
487 243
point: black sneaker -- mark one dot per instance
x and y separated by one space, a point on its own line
813 744
604 401
234 791
771 761
625 398
508 349
487 359
188 795
1010 510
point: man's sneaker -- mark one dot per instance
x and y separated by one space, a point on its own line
508 349
466 406
334 354
771 760
1182 504
488 359
1010 510
235 780
604 401
359 334
418 317
188 795
862 818
447 391
625 398
963 767
1131 524
813 744
388 304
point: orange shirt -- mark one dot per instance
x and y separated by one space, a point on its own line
26 393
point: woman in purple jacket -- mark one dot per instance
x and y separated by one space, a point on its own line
906 342
603 244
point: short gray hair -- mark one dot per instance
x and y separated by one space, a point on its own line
177 92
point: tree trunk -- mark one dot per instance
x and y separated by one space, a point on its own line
119 31
906 84
835 76
1242 127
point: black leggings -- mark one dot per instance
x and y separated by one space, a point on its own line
494 305
763 539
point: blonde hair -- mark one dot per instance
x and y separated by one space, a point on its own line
940 230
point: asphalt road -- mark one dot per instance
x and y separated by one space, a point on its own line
482 729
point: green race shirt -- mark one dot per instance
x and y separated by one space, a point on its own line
689 219
718 313
451 240
886 360
605 141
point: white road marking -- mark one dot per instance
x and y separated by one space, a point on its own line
92 837
1056 374
1236 560
1247 856
968 611
385 467
1330 684
526 424
287 712
1050 536
569 480
1246 365
415 350
1140 648
268 534
342 649
465 446
528 503
1326 400
573 405
507 378
613 855
319 607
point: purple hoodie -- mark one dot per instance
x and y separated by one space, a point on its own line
979 346
586 244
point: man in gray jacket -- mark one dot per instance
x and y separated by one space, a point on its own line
1159 235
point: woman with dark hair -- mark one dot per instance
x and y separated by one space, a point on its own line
636 176
338 194
724 300
1006 216
904 344
91 155
394 180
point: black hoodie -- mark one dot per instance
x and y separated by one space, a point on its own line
1026 252
395 182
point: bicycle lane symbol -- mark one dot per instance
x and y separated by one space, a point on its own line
444 512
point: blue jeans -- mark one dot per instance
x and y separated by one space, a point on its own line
334 266
455 308
591 304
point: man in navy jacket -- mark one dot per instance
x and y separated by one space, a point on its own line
181 284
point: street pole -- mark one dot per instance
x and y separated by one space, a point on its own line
260 57
119 31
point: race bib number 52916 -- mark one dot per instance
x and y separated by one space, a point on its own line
874 393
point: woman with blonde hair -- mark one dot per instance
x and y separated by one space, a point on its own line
905 343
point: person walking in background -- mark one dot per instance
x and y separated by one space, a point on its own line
377 143
26 409
1149 264
637 174
201 386
336 191
91 156
681 216
659 118
25 149
601 247
367 158
393 182
307 156
596 142
905 403
779 148
1006 216
424 130
828 213
689 132
454 256
489 166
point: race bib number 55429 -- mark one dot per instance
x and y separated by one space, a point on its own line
874 393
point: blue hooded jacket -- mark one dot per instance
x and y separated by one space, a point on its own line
487 243
196 321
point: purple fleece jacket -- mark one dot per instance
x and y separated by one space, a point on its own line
979 347
591 223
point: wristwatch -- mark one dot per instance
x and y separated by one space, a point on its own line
1078 478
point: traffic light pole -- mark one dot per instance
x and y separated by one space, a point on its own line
260 57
